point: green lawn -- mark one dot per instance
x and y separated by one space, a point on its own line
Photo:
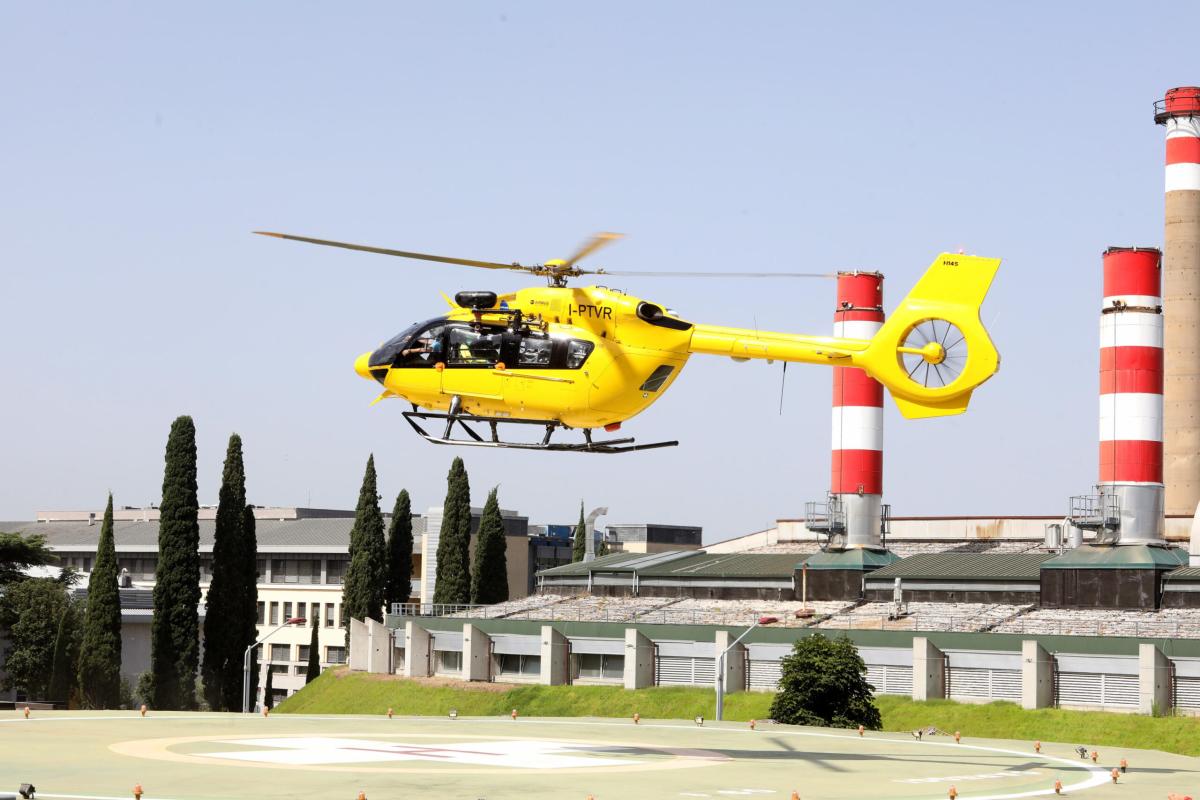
339 691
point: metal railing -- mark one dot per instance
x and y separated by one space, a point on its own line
1095 512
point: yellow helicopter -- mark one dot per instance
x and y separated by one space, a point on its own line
593 357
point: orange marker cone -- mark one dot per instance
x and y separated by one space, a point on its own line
953 793
957 737
753 722
636 718
1058 787
795 795
514 713
389 712
860 730
137 791
362 796
1095 756
143 709
1116 773
266 711
26 712
1037 747
1124 765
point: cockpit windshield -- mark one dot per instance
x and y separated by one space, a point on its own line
387 353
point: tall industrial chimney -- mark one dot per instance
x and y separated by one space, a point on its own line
1179 111
857 480
1131 392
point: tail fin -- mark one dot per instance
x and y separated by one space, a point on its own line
933 351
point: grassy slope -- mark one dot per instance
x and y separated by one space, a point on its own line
339 691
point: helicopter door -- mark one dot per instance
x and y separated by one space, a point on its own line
470 371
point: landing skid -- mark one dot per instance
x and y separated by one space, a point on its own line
464 421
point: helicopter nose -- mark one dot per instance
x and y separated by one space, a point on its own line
362 365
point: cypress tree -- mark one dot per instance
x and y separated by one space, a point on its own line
175 627
314 658
246 633
66 656
453 582
100 653
269 692
579 541
222 649
489 578
400 544
366 578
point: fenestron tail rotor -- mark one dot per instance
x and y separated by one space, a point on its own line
556 271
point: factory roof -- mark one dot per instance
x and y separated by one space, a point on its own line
685 564
856 558
1138 556
1012 566
1185 574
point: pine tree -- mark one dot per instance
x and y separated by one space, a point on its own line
222 647
314 658
100 653
489 578
66 656
247 633
579 542
366 578
175 627
400 544
269 692
453 582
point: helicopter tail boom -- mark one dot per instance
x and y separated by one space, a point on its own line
931 354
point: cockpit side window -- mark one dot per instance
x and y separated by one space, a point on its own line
423 350
468 347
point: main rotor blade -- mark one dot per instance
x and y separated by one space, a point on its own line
466 262
591 246
627 274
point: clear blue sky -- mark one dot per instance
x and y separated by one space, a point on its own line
142 142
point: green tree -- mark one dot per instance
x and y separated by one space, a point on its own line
175 627
247 632
65 661
314 656
100 652
31 611
824 683
269 691
365 582
453 582
579 540
18 553
400 544
224 605
489 577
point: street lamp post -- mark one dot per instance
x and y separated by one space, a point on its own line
720 683
246 660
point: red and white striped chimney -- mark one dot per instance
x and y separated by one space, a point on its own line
1131 391
857 480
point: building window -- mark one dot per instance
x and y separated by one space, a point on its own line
300 609
315 619
335 655
303 654
329 615
597 665
287 612
528 666
449 661
281 652
335 570
262 612
260 567
279 669
290 570
274 613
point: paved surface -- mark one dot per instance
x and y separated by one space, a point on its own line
218 756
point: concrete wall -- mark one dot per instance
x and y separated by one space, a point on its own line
1037 676
639 660
555 654
1154 680
477 655
735 661
417 655
929 670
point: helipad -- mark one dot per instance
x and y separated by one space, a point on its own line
200 756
